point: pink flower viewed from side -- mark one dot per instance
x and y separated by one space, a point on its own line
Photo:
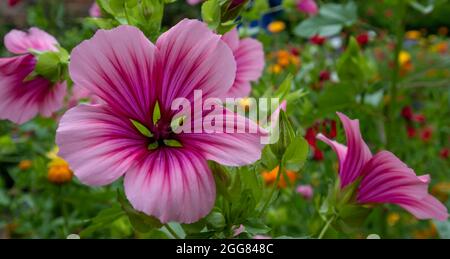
249 56
383 177
307 6
306 191
22 99
133 77
95 10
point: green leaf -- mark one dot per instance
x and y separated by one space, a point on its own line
332 18
172 143
256 226
141 222
211 13
285 87
104 219
141 128
156 113
296 153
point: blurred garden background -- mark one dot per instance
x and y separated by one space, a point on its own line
342 57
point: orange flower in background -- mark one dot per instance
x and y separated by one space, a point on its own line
270 177
59 172
430 232
413 35
25 165
283 59
58 169
441 48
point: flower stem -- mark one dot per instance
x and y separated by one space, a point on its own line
274 188
399 32
172 232
327 225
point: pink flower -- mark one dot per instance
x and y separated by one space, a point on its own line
306 191
307 6
249 55
194 2
20 99
82 94
95 10
131 77
384 178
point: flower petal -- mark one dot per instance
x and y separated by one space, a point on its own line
22 100
118 65
338 148
194 58
19 42
386 179
173 185
98 145
236 148
358 152
249 55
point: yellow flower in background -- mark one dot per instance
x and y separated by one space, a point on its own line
25 165
275 69
276 26
405 62
393 218
413 35
58 169
441 191
404 57
270 177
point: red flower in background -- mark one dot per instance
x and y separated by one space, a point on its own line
444 153
324 75
407 113
317 40
13 2
363 39
426 134
411 131
326 127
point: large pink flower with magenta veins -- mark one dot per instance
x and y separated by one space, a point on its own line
22 99
133 76
383 177
249 55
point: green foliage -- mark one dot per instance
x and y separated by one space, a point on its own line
332 18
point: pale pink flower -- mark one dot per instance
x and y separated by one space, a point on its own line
384 178
95 11
194 2
22 99
306 191
249 55
81 94
307 6
131 77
